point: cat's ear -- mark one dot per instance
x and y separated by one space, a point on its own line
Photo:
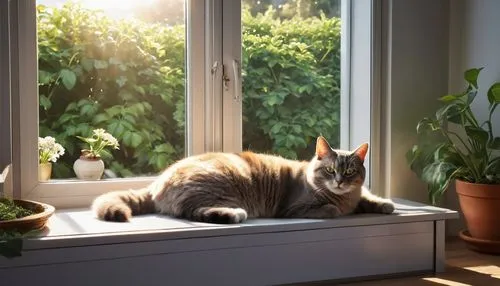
361 151
323 149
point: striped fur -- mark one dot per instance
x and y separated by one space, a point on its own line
229 188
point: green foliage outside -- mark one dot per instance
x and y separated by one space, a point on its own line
291 83
128 77
123 76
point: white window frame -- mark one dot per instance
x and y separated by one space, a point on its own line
358 85
232 112
214 114
363 95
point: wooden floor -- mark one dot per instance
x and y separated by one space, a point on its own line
464 268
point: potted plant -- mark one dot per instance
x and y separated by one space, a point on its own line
90 165
19 219
48 152
453 145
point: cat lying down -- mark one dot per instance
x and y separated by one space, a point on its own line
231 187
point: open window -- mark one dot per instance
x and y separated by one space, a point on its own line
170 79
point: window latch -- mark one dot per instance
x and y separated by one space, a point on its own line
225 79
236 75
214 68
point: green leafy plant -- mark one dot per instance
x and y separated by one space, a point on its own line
128 77
454 145
291 82
99 140
9 210
11 243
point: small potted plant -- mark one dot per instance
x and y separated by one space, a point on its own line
90 165
48 152
454 146
19 219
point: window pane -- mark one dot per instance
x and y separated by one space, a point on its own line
291 75
117 65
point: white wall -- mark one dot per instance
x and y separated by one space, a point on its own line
474 42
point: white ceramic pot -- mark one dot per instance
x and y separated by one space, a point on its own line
44 171
88 169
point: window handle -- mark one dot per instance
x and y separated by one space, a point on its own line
236 75
215 67
225 78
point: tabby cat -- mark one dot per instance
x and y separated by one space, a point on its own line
229 188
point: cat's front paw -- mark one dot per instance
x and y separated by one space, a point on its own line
387 208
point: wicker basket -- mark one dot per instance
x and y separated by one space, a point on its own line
32 222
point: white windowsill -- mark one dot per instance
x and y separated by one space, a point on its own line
74 238
78 227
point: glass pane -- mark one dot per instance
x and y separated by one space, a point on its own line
291 75
116 65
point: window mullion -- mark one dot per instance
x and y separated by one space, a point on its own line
213 73
196 77
232 93
345 75
24 94
363 84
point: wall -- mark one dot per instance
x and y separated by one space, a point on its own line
5 156
428 46
474 42
415 73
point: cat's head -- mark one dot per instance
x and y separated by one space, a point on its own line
338 171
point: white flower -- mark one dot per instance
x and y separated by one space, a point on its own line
107 138
99 132
99 140
49 150
110 140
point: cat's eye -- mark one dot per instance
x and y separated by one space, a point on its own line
350 171
330 170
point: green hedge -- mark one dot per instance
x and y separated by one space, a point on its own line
129 78
291 83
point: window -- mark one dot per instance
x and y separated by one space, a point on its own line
115 65
291 75
175 78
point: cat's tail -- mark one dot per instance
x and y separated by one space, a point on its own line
122 205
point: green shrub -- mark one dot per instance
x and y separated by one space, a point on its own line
128 77
291 83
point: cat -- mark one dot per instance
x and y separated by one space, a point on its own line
232 187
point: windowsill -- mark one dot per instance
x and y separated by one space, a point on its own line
78 227
407 241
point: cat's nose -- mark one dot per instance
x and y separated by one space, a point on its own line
339 181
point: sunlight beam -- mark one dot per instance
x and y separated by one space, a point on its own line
445 282
117 9
492 270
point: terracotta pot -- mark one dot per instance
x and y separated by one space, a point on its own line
480 204
88 169
32 222
44 171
